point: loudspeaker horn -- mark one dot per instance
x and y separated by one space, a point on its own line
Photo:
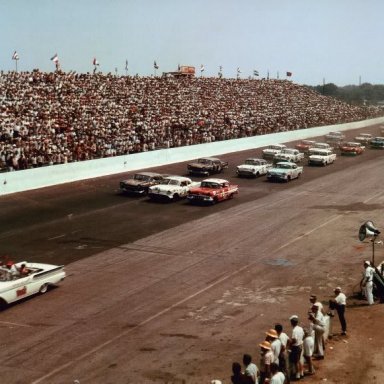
368 229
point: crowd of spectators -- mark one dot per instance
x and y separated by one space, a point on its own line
55 118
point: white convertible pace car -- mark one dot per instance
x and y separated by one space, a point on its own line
23 279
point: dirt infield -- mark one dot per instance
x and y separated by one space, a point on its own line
173 293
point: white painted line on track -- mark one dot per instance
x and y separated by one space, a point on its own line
308 233
56 237
16 324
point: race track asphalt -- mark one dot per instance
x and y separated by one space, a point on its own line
173 293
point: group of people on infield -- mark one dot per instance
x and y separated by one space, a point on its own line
61 117
286 357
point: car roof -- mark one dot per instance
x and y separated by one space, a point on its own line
215 180
148 173
255 159
180 178
285 162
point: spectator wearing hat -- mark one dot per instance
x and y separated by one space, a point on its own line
367 282
296 347
273 338
338 304
277 377
308 347
266 359
318 326
251 371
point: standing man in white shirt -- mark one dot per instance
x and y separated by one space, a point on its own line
367 282
296 346
318 326
339 303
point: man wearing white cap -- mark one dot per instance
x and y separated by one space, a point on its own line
296 346
367 282
339 303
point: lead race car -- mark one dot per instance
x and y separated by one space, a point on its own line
212 191
24 279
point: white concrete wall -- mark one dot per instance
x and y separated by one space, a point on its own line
11 182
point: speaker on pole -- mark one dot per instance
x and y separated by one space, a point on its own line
368 229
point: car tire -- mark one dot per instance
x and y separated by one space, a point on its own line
3 304
43 289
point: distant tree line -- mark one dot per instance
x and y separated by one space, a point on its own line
364 94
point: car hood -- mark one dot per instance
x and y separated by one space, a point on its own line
134 182
278 171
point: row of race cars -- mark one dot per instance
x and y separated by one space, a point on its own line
23 279
278 163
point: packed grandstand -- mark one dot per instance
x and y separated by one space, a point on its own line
55 118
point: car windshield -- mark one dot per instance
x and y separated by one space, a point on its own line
351 145
171 182
318 153
287 150
209 184
252 162
141 177
284 166
274 147
203 161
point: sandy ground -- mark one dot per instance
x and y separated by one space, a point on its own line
173 293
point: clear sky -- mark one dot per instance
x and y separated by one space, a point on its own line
335 40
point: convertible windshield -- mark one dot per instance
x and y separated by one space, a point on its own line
140 177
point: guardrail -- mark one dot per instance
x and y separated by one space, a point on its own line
18 181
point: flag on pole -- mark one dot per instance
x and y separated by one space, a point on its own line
95 62
155 65
55 58
238 70
126 65
255 73
220 74
289 74
15 56
202 69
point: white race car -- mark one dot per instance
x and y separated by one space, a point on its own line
17 283
253 167
272 150
284 171
172 188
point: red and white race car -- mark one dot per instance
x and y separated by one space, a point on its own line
212 191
